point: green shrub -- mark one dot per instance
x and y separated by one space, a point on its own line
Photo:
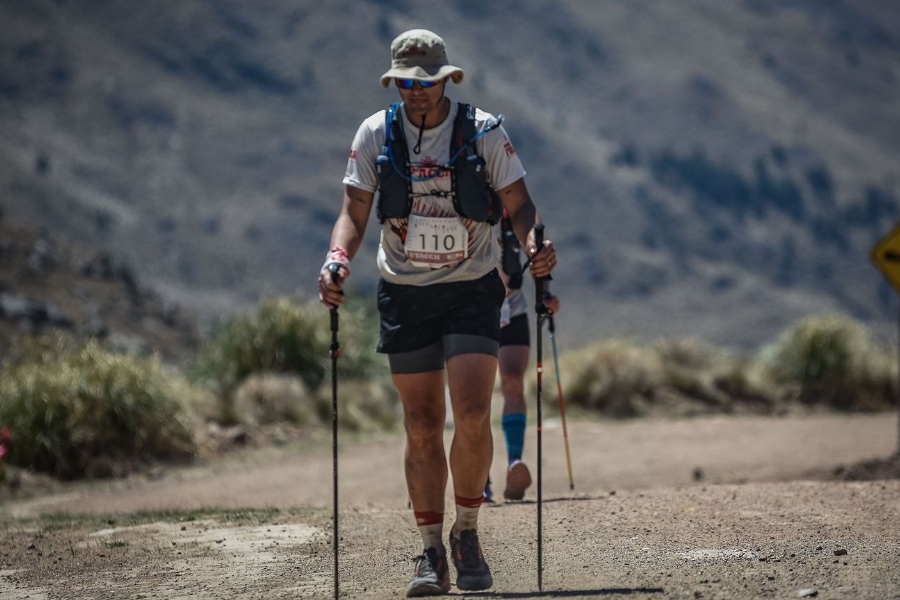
78 410
828 362
831 361
688 369
268 398
714 379
615 378
688 353
363 406
748 384
290 338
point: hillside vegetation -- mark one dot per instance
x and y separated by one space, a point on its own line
707 169
75 409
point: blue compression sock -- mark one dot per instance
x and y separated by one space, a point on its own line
514 431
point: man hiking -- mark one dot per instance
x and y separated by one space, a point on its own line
444 171
515 350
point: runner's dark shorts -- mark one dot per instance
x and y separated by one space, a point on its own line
516 332
423 326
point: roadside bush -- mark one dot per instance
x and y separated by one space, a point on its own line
828 362
714 379
687 353
832 361
364 406
615 378
78 410
268 398
285 337
749 386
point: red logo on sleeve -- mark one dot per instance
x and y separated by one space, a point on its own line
353 155
507 145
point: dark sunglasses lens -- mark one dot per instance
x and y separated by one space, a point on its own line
408 84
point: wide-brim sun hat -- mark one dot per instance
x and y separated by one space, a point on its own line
420 54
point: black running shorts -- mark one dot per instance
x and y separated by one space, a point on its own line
516 332
416 317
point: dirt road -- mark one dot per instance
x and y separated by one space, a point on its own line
705 508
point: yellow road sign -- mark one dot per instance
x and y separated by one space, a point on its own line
886 256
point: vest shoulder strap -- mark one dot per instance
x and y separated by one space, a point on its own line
392 126
392 167
463 130
394 139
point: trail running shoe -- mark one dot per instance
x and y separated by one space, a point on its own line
488 492
472 572
518 478
431 577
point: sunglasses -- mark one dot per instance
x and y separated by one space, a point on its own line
407 84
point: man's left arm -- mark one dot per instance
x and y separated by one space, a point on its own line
523 214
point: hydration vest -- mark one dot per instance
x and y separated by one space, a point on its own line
473 197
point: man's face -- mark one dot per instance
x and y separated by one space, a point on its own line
418 99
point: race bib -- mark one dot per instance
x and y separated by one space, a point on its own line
436 241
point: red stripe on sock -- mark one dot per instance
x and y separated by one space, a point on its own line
469 502
428 518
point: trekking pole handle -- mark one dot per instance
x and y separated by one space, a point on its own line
334 269
539 307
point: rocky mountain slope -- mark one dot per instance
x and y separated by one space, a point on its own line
708 169
48 287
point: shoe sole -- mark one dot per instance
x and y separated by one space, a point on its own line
427 589
474 584
517 481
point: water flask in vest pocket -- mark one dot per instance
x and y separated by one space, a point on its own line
475 199
394 200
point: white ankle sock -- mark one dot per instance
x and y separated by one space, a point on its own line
466 518
432 536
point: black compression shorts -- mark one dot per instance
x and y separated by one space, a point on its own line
516 332
462 317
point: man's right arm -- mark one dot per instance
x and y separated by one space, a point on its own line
351 223
346 238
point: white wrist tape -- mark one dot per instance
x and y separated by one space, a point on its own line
339 256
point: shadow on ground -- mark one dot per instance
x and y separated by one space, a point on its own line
566 593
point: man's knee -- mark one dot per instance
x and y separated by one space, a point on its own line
424 425
472 416
512 385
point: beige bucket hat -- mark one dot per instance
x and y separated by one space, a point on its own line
420 54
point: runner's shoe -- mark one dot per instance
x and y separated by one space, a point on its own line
488 492
472 572
432 577
518 478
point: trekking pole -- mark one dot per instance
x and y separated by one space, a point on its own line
335 352
540 311
562 403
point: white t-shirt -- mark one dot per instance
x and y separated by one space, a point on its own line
514 305
481 254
